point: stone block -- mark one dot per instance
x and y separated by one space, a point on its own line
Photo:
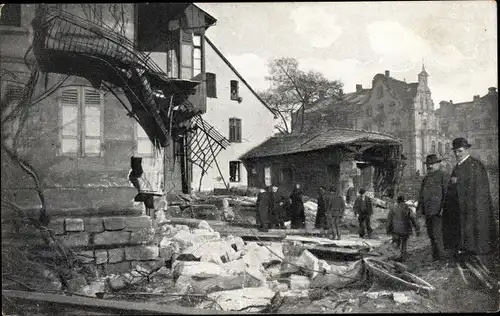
299 282
74 225
101 256
57 225
173 211
250 299
118 267
149 265
112 238
114 223
142 236
142 253
86 256
94 225
167 251
116 255
204 225
74 239
76 284
134 223
308 261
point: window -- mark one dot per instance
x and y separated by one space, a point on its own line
234 171
433 147
235 130
490 143
440 148
196 55
487 122
234 90
144 144
477 124
478 143
81 121
211 85
186 54
267 176
11 15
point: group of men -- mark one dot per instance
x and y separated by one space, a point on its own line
274 209
458 209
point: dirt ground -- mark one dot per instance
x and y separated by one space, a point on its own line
451 294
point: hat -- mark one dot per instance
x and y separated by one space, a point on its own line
432 159
362 191
460 142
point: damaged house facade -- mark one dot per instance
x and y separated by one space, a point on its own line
331 156
106 82
237 111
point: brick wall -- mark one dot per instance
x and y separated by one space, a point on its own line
113 244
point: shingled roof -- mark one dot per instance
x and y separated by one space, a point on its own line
352 98
296 143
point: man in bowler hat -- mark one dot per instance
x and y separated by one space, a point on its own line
469 225
430 203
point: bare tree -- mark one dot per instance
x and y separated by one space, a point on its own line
293 90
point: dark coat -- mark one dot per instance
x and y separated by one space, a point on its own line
468 214
297 210
263 206
277 209
321 213
432 192
334 205
401 219
361 209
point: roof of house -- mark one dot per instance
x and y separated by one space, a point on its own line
296 143
352 98
228 63
405 91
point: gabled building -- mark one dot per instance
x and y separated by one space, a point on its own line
241 116
107 82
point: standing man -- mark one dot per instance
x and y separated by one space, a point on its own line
363 209
263 209
399 223
321 211
430 203
469 224
297 210
277 209
335 208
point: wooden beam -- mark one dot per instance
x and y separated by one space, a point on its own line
102 305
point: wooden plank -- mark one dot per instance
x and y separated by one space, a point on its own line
101 305
338 243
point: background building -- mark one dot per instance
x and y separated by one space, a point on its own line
234 109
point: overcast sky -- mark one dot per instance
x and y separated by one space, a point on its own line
353 41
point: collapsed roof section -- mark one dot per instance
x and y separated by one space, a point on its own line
65 43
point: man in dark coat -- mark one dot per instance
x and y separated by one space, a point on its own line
399 223
335 209
469 224
430 203
276 209
297 210
263 207
321 212
363 208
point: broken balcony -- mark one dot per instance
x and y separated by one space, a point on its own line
65 43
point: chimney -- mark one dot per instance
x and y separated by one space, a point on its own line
492 90
387 73
359 87
451 101
321 94
476 97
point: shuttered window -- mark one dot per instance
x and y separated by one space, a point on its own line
81 121
186 54
196 55
11 14
235 130
211 85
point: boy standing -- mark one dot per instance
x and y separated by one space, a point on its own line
399 224
335 208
